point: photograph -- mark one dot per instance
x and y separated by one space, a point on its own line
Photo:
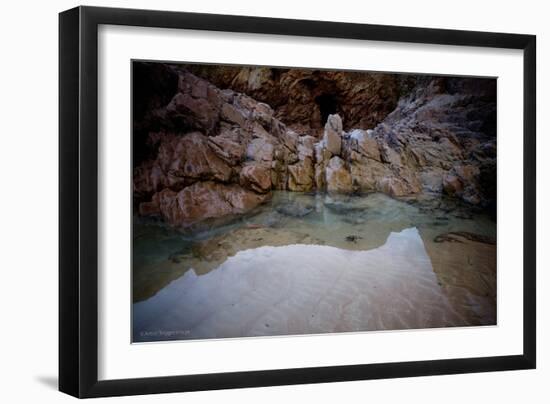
244 202
272 201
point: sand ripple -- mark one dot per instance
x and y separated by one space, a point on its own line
302 289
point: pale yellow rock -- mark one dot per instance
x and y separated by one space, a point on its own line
338 178
332 137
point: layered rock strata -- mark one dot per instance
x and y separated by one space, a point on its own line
303 98
209 153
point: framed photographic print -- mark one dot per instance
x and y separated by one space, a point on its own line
250 201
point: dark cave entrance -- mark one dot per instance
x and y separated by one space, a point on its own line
327 106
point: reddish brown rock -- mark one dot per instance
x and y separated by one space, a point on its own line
243 200
289 139
452 185
256 177
228 147
231 114
151 208
188 158
197 113
206 200
468 173
263 114
260 149
148 178
302 97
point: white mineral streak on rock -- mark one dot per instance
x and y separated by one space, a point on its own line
301 289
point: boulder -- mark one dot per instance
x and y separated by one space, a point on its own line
256 177
338 178
332 138
196 113
390 156
260 149
319 177
452 185
188 158
366 173
242 200
151 208
263 114
306 147
394 186
206 200
301 176
432 179
148 178
289 139
227 147
468 173
463 182
363 142
258 131
233 115
471 195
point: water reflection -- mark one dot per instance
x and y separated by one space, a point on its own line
314 264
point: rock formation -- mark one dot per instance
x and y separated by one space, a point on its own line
203 152
303 98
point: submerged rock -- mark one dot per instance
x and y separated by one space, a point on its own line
294 209
353 238
208 254
344 207
459 236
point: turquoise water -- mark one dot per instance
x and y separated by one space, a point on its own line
329 218
464 269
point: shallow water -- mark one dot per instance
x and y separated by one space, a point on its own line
317 246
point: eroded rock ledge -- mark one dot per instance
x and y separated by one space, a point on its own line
210 152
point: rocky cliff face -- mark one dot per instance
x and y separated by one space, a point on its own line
304 98
206 152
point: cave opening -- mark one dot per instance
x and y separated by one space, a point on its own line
327 105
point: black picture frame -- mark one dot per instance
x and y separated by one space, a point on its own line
78 201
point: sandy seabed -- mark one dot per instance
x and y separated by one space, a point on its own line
302 289
310 264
